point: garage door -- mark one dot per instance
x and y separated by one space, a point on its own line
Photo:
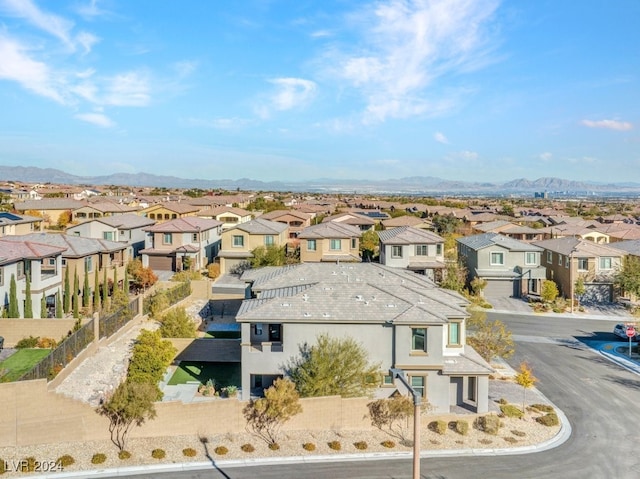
161 263
597 293
500 288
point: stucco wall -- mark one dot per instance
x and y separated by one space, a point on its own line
13 330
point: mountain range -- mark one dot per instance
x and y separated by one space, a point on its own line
409 185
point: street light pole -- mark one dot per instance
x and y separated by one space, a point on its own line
417 399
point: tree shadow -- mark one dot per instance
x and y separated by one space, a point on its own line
633 384
205 444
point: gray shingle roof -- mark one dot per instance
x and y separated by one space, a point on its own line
126 221
571 245
49 204
484 240
74 246
261 226
630 246
409 235
330 229
189 224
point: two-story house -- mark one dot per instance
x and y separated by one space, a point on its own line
239 242
13 224
567 259
126 228
510 267
182 243
50 209
412 248
402 319
330 242
169 210
41 264
506 228
296 220
229 216
363 222
99 210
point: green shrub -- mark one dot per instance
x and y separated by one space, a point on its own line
98 458
509 410
124 455
189 452
542 407
221 450
28 464
27 343
64 461
46 343
335 445
388 444
2 468
549 419
309 446
515 432
360 445
158 454
247 448
274 446
510 440
438 426
461 427
489 424
183 276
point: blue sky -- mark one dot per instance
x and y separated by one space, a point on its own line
475 90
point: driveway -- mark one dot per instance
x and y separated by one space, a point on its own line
516 305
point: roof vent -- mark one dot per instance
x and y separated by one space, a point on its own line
286 305
327 288
305 297
391 305
307 315
333 273
359 297
326 315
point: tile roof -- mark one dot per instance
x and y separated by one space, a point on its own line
12 251
174 206
273 215
406 220
13 219
49 204
585 248
260 226
126 221
189 224
484 240
409 235
219 210
350 219
630 246
330 230
469 362
74 246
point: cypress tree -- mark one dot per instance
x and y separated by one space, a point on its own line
58 305
126 285
86 291
67 292
105 289
28 306
96 292
76 287
115 279
14 311
43 306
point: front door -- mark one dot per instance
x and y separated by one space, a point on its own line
455 391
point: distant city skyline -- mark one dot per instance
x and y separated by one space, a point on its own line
472 90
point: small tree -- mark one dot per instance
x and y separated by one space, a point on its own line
43 306
105 289
131 404
141 277
28 304
96 291
579 288
477 285
526 379
75 298
490 339
67 292
455 276
333 366
627 278
549 291
86 290
265 416
392 415
271 255
150 358
369 245
59 308
177 324
14 311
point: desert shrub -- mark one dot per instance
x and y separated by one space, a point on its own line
221 450
542 407
510 440
509 410
98 458
461 427
274 446
29 342
549 419
489 424
64 461
28 464
485 441
184 276
247 448
438 426
309 446
502 401
124 455
189 452
158 454
3 469
335 445
515 432
360 445
388 444
46 343
213 270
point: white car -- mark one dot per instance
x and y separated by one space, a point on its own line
620 330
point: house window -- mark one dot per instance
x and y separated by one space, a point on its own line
559 259
418 384
194 237
531 259
439 249
419 339
549 257
454 334
275 333
421 250
268 240
20 266
152 216
107 235
497 258
88 264
533 286
387 380
605 262
238 241
335 245
566 261
471 389
354 244
311 245
583 264
167 238
1 276
396 251
64 262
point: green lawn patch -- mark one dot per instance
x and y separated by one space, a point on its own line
21 362
222 335
223 374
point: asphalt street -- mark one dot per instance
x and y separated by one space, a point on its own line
599 398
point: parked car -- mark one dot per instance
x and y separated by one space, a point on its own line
620 330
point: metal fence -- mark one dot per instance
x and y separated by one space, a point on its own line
174 295
112 323
62 355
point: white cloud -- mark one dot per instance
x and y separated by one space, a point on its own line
440 138
90 10
546 156
185 68
292 93
33 75
98 119
218 123
86 41
321 34
128 89
406 45
55 25
468 155
608 124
